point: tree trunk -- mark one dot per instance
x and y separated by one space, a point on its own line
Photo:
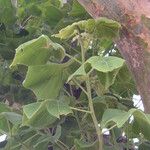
134 37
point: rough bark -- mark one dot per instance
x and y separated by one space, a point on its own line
134 41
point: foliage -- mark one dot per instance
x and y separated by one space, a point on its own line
65 79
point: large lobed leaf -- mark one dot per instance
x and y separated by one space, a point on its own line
44 79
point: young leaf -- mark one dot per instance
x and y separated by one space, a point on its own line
71 30
67 32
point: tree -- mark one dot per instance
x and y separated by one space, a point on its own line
63 80
135 37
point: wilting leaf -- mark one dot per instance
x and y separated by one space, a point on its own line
102 28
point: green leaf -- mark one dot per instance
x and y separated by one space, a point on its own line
36 115
3 122
107 79
57 53
7 117
6 75
107 28
31 109
38 52
7 12
4 108
101 64
67 32
141 122
124 84
71 30
78 72
105 45
34 52
101 28
105 64
52 15
58 108
119 117
46 138
13 117
45 80
57 134
77 9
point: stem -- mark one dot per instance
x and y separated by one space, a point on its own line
63 144
98 131
73 58
76 82
82 48
81 110
89 96
9 128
